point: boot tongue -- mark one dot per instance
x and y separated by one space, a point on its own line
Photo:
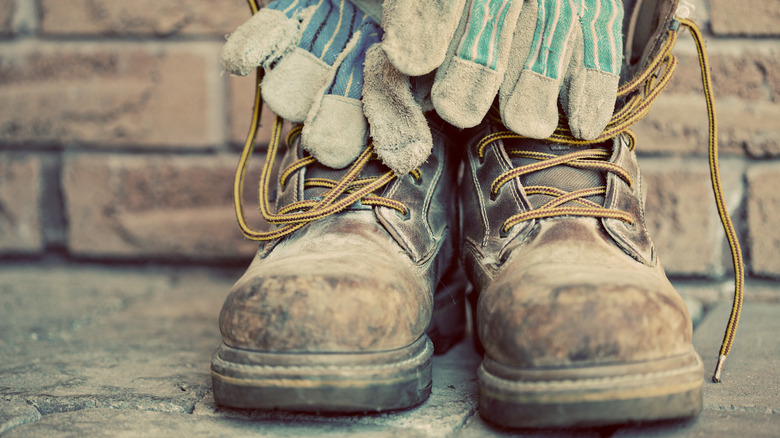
563 177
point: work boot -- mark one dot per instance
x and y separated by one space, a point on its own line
578 322
332 313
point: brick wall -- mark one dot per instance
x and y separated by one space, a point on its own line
119 135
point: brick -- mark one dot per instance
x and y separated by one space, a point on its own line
745 17
682 217
111 94
748 69
763 209
20 192
677 125
761 291
7 8
746 84
242 94
142 17
155 206
747 385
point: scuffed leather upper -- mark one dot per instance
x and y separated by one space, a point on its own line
566 291
360 280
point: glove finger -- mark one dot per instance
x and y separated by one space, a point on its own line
521 46
467 86
265 37
400 133
418 32
590 90
531 109
588 100
292 86
463 95
335 131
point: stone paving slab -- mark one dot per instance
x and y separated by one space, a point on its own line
111 423
709 424
106 338
109 351
453 400
750 379
15 411
142 341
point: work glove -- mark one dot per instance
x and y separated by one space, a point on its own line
532 53
313 53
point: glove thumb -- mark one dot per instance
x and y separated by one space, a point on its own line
400 133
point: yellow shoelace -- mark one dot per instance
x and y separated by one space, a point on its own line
352 189
651 82
339 195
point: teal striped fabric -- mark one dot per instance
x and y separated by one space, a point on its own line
554 26
483 32
602 22
599 20
332 26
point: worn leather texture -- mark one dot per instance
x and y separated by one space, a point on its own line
358 281
646 24
566 291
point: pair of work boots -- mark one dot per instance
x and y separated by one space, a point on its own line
578 322
346 300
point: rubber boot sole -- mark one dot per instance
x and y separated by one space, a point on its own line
341 382
330 382
593 396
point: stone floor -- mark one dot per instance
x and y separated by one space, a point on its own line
118 351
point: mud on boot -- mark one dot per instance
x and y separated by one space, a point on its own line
332 314
578 322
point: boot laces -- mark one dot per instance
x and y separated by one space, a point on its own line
338 196
640 93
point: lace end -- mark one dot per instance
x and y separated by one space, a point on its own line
718 369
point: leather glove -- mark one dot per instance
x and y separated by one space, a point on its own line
532 53
313 53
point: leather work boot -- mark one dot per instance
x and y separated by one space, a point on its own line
332 316
578 322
